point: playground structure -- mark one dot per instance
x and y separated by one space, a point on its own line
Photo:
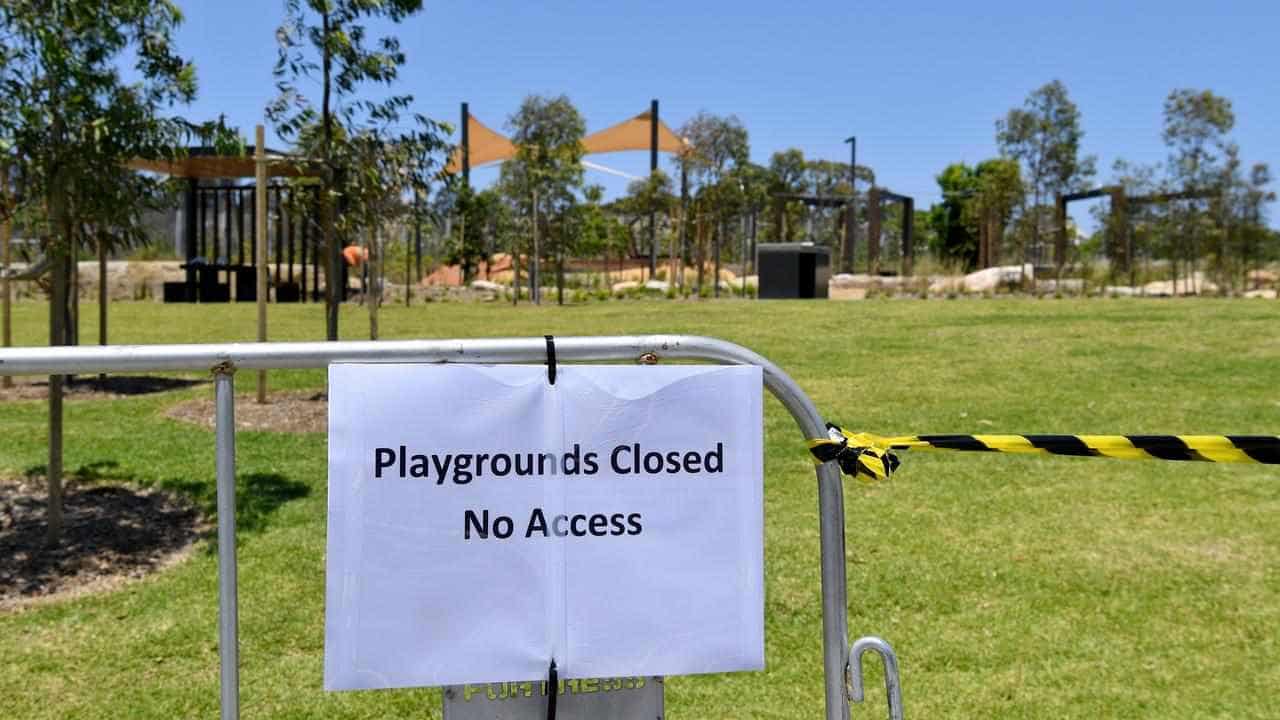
219 252
1120 249
876 197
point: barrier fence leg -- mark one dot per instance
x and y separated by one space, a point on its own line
835 618
228 614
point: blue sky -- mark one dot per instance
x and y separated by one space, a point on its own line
921 84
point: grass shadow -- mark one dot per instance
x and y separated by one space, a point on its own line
258 495
130 385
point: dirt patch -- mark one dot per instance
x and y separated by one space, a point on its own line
112 534
291 412
95 388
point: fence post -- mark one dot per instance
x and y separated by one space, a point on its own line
260 250
228 613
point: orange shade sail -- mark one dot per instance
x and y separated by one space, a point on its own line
632 134
200 166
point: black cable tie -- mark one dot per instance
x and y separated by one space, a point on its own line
553 679
551 378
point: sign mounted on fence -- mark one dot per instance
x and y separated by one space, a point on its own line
483 521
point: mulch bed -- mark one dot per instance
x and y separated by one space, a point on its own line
92 387
290 412
111 534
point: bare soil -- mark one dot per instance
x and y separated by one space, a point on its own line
290 412
112 534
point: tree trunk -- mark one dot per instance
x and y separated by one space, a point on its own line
373 289
715 251
560 274
334 295
58 253
535 282
73 290
673 263
700 242
515 270
653 245
6 258
102 290
103 296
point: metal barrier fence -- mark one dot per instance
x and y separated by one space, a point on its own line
223 360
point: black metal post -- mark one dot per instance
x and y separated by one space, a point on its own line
253 229
302 261
189 234
276 249
851 217
908 235
653 167
466 144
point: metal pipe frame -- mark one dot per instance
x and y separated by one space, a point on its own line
228 593
225 359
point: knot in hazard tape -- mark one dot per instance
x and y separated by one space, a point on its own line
860 455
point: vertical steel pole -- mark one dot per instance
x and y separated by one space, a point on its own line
851 233
873 231
653 168
260 247
908 236
684 218
466 143
228 614
835 603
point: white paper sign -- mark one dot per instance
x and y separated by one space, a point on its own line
483 522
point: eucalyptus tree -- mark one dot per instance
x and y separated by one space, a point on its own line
480 217
542 178
715 146
1245 238
1258 243
754 182
383 169
68 121
651 196
1196 128
1045 136
786 177
326 43
998 191
589 226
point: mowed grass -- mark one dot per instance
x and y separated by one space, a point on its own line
1011 587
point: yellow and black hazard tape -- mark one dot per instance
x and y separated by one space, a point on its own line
869 456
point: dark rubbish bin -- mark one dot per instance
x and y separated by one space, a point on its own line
793 270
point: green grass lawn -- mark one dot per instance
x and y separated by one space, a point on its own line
1011 587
